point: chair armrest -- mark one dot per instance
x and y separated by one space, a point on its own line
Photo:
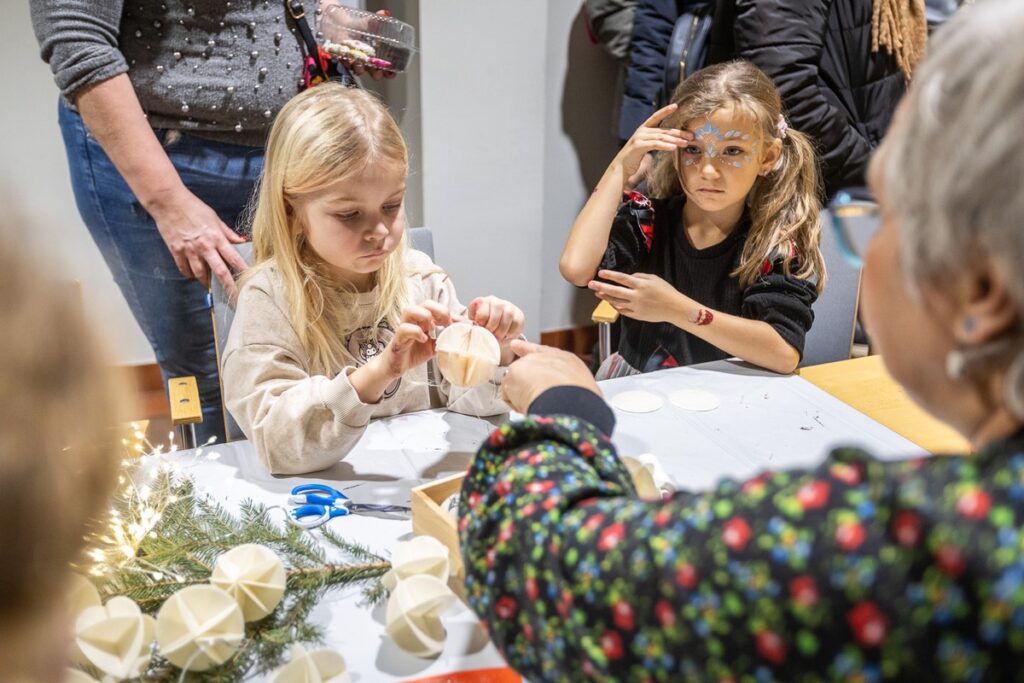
184 397
604 313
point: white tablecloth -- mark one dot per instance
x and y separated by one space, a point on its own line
764 421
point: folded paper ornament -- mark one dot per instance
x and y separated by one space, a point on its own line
467 354
649 477
199 627
254 576
116 638
413 614
81 595
421 555
320 666
76 676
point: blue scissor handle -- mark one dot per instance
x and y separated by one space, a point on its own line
314 499
322 513
318 488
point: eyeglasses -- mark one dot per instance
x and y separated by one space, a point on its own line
855 219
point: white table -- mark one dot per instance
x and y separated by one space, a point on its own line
765 421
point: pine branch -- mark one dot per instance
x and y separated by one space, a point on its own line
179 548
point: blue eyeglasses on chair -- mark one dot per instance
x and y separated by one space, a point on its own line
855 220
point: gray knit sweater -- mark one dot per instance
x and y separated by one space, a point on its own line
221 70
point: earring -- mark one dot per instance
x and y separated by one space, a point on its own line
969 324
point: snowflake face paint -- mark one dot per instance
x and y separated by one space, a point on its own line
719 166
734 148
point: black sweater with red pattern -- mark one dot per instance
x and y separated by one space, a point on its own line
647 236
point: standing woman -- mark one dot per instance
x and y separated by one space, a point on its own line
164 109
857 569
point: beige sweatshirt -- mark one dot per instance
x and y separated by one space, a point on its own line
300 421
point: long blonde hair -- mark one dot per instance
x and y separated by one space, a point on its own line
321 136
784 205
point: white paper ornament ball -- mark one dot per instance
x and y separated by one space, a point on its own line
254 576
320 666
199 627
467 354
420 555
82 595
413 614
116 638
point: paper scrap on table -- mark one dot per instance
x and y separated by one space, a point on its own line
694 399
637 402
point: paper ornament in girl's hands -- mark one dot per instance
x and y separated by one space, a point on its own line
467 354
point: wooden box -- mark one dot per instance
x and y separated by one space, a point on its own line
430 519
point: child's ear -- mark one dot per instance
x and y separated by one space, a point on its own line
772 152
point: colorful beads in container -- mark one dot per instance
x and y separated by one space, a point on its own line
365 38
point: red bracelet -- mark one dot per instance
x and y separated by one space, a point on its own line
703 317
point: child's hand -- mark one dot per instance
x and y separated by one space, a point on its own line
412 344
641 296
650 138
502 319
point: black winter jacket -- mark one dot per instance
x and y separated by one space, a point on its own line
833 87
818 52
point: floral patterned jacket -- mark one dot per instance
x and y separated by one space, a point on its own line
856 570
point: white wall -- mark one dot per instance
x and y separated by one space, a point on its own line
35 171
508 113
482 91
580 117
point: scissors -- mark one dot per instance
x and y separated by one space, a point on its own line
316 504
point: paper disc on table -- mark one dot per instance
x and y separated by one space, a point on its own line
694 399
321 666
467 354
116 637
254 576
637 401
199 627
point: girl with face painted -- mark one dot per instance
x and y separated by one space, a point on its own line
722 258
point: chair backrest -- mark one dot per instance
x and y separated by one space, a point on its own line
835 311
420 239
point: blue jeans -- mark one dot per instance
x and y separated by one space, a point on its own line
173 312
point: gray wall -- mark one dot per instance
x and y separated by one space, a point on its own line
508 114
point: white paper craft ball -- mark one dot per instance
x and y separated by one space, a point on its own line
413 614
82 595
199 627
116 638
420 555
254 576
76 676
321 666
649 477
467 354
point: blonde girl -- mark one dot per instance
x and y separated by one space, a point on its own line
722 260
334 321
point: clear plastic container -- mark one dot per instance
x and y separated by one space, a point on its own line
361 37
